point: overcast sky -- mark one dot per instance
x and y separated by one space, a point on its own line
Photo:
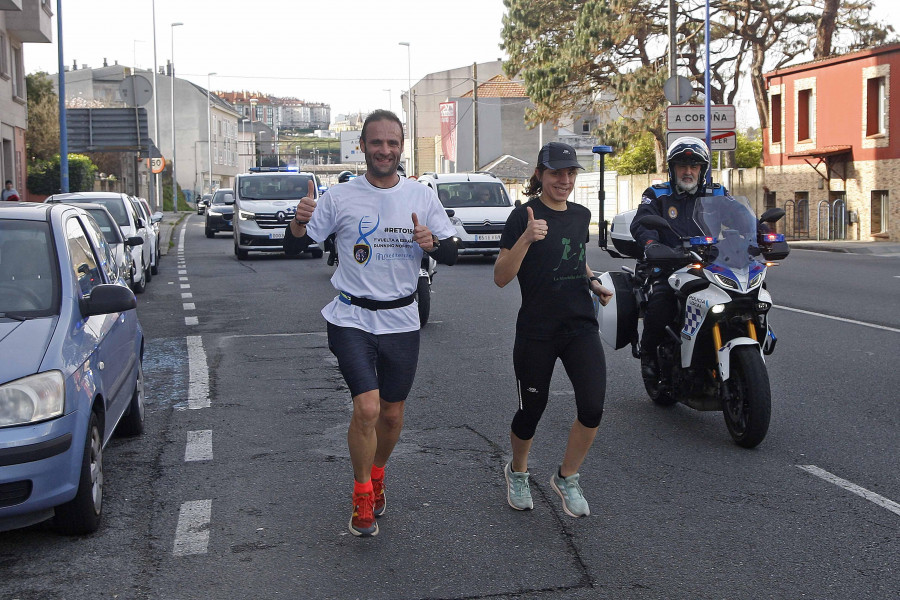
345 53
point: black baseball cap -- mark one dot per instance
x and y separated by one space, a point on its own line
556 155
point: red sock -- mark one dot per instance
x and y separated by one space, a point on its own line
377 472
362 488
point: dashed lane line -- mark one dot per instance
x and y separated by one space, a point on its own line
199 446
198 387
852 487
192 531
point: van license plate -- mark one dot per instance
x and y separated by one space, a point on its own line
488 237
276 235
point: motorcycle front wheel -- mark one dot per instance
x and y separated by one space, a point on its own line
423 297
748 409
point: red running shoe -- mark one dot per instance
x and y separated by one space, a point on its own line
378 489
362 523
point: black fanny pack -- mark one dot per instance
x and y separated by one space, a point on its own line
370 304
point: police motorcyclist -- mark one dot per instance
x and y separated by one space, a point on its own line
330 245
688 164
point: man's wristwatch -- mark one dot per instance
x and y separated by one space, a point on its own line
299 222
595 278
435 243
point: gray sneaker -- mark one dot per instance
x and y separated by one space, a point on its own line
518 492
573 500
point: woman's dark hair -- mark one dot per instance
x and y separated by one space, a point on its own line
534 188
380 115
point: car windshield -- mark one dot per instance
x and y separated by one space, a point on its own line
472 193
114 205
222 197
290 186
29 277
111 232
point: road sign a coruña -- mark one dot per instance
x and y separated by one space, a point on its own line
690 119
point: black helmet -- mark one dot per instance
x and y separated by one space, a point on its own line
688 151
345 176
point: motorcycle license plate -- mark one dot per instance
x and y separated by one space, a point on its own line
488 237
276 235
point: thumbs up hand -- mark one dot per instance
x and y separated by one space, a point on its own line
536 230
307 204
422 235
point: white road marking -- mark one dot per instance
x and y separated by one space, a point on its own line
186 295
182 279
182 272
185 286
198 387
191 321
192 531
853 321
188 306
852 487
199 446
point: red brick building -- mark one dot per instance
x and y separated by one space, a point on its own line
831 158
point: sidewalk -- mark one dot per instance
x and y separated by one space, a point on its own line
849 246
167 227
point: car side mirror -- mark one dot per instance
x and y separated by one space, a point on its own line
229 201
134 240
140 223
156 217
107 298
654 222
772 215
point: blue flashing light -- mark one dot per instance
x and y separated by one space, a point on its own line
274 169
702 240
602 150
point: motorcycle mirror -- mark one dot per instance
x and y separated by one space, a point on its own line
772 215
653 222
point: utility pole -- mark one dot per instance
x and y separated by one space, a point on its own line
475 116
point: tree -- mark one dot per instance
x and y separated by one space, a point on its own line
43 175
608 57
637 157
42 136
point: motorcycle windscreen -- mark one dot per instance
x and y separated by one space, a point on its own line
618 319
730 221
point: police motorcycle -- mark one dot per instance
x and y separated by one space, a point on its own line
712 356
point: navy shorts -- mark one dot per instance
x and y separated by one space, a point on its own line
385 362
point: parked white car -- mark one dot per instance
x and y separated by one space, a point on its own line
132 224
478 205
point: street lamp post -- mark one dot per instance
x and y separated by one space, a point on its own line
174 178
154 176
410 115
240 156
209 128
388 90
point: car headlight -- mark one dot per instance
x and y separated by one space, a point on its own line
727 282
456 221
32 399
246 215
214 211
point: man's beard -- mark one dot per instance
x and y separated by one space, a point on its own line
684 188
370 165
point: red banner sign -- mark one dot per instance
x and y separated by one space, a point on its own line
448 130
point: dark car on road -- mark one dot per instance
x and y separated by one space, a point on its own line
220 212
202 203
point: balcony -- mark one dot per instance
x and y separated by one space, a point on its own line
32 23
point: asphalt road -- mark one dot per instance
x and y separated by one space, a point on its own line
248 497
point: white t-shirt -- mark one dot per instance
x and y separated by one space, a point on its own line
379 259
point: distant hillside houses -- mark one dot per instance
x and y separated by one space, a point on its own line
280 113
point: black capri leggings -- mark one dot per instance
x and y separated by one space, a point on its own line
534 360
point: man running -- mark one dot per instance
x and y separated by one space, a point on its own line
383 223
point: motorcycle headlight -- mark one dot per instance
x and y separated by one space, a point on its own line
246 215
756 281
32 399
727 282
718 308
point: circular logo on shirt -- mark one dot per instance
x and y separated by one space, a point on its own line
673 212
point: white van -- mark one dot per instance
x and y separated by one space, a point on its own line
478 205
265 200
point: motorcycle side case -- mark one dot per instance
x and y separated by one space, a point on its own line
618 319
778 251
